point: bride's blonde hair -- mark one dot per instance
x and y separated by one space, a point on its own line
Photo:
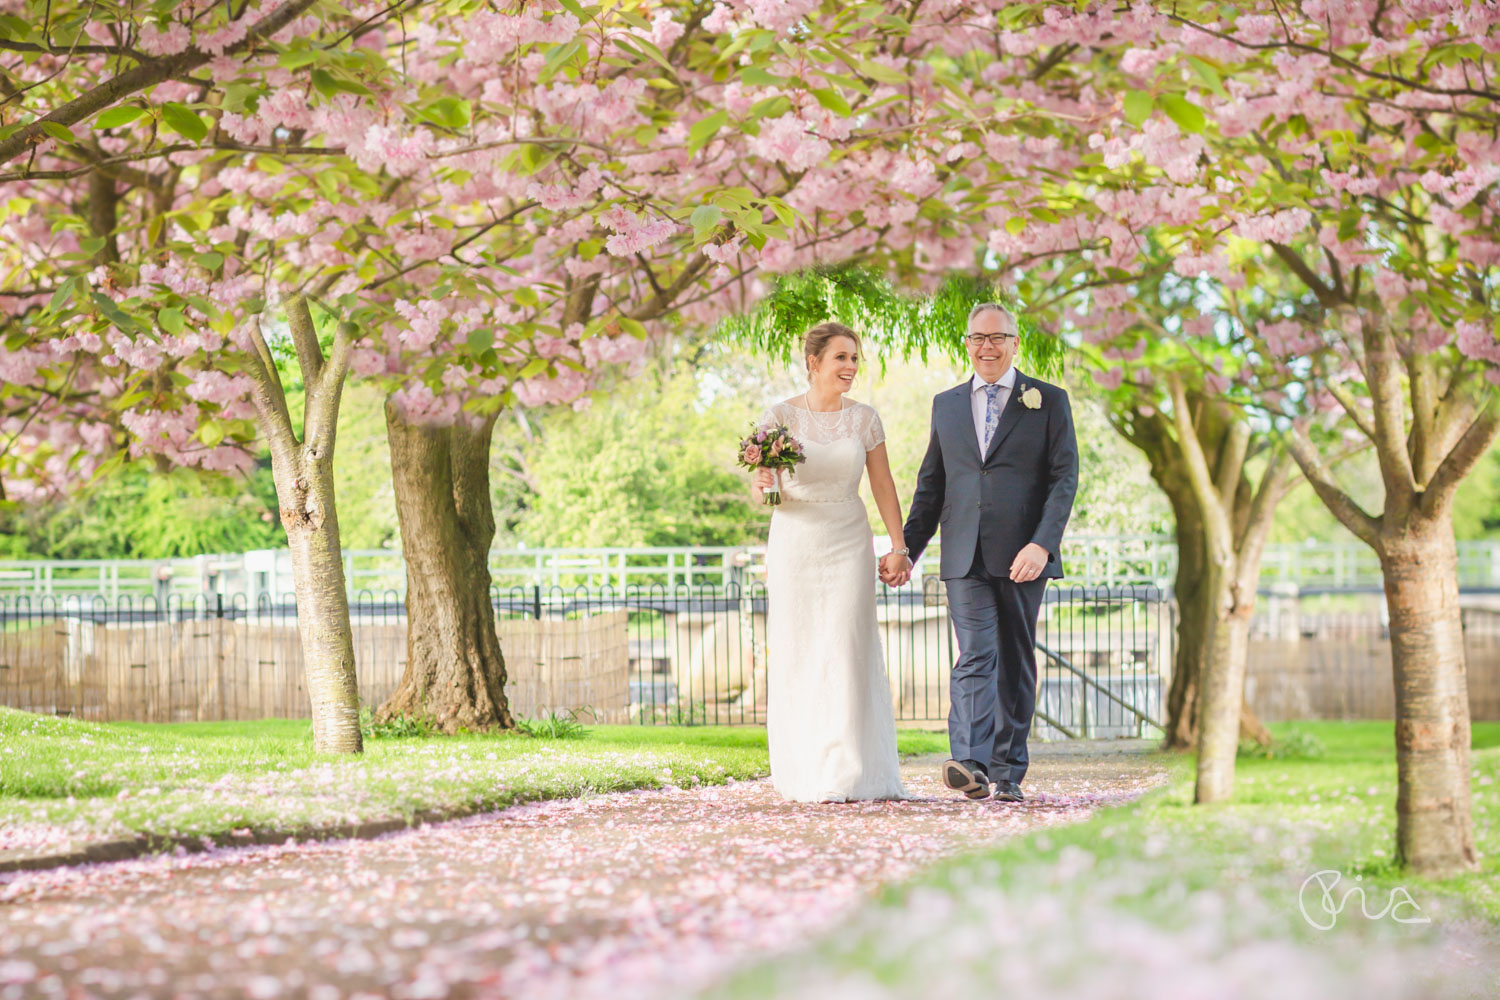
817 339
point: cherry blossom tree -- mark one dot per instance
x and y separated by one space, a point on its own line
471 207
1337 162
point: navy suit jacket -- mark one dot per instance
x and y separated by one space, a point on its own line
1020 491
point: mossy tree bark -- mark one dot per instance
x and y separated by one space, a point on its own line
455 670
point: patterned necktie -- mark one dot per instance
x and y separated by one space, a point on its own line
991 414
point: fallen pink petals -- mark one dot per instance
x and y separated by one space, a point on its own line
617 896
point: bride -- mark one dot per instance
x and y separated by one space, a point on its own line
829 720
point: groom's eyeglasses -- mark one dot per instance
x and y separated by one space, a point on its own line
998 339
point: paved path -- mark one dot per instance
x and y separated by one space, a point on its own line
640 894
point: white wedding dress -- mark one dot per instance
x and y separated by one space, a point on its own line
829 720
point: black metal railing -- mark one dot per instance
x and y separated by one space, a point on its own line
688 655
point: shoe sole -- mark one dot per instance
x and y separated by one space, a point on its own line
1007 797
961 779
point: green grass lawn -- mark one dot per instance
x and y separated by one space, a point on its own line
68 782
64 782
1161 897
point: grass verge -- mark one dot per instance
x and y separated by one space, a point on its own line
1162 898
65 784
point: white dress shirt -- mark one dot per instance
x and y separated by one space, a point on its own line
979 399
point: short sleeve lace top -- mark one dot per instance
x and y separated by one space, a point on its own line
835 442
855 420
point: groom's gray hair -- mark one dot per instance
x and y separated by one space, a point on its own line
991 307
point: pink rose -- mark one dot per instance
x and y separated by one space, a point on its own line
776 447
752 454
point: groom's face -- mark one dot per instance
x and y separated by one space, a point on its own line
990 359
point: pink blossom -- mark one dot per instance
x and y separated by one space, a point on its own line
752 454
1109 378
664 30
164 43
788 140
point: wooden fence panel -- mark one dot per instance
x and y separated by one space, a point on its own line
214 669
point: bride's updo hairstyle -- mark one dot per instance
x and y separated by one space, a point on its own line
819 337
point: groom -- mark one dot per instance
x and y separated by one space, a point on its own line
999 477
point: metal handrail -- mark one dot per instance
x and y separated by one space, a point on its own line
1066 664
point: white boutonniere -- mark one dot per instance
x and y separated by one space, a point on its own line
1032 397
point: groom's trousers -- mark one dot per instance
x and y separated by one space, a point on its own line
993 686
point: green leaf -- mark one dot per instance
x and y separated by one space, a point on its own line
115 117
833 101
91 246
1209 75
449 111
209 260
171 320
759 76
635 328
481 340
534 367
526 296
1138 105
211 433
705 129
62 295
114 313
705 218
296 60
881 73
1015 225
771 107
14 27
1188 116
328 183
184 121
59 131
323 82
572 7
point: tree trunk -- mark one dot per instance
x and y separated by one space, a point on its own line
1195 614
312 532
455 671
1434 823
1195 609
1221 696
303 473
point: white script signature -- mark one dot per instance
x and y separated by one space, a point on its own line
1329 905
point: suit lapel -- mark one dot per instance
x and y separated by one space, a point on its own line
1009 417
961 412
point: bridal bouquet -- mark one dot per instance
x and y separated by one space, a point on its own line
771 447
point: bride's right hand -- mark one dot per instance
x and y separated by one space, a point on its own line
763 479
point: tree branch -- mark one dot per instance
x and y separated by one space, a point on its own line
141 77
1350 514
1327 297
1383 377
1460 461
270 397
305 339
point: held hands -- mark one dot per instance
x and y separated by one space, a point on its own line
895 570
1028 564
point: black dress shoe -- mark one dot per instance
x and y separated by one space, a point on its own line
1009 791
968 777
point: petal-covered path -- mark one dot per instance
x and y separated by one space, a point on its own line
638 894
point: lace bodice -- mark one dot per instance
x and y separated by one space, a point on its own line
835 442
